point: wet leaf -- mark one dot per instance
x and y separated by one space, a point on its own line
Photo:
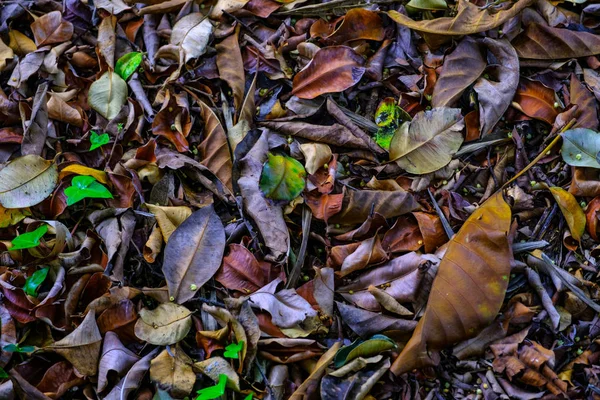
27 181
29 239
282 178
581 147
98 140
166 324
108 94
333 69
193 254
571 210
474 269
128 64
429 141
34 281
85 187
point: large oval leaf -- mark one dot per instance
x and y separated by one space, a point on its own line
468 289
581 147
429 141
193 254
108 94
27 181
332 69
536 101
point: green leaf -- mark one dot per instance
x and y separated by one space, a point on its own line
388 117
128 64
15 348
3 374
33 282
359 348
108 94
98 140
85 187
213 392
580 148
29 239
232 350
282 178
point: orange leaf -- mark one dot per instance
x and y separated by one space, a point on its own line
536 101
469 288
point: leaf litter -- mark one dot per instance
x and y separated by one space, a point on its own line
299 199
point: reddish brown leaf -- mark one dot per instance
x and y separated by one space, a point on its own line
536 101
51 28
333 69
587 114
231 68
358 23
324 206
543 42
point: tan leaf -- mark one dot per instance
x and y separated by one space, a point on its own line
172 371
166 324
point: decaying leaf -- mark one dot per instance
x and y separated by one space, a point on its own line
27 181
166 324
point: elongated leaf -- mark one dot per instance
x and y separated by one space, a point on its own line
192 33
231 68
29 239
358 205
358 23
108 94
128 64
360 348
333 69
581 147
282 178
495 94
468 289
571 210
27 181
193 254
469 19
587 115
429 141
542 42
214 149
461 68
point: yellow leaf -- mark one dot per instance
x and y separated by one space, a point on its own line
20 43
5 53
571 210
169 218
12 216
83 170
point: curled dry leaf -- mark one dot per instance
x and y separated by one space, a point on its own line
474 271
27 181
82 346
193 254
166 324
333 69
172 371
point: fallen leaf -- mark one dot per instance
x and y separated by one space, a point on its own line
216 366
332 69
282 178
542 42
358 205
571 210
231 68
27 181
108 94
193 254
191 34
172 371
365 323
82 346
536 101
51 28
166 324
474 269
581 147
115 357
